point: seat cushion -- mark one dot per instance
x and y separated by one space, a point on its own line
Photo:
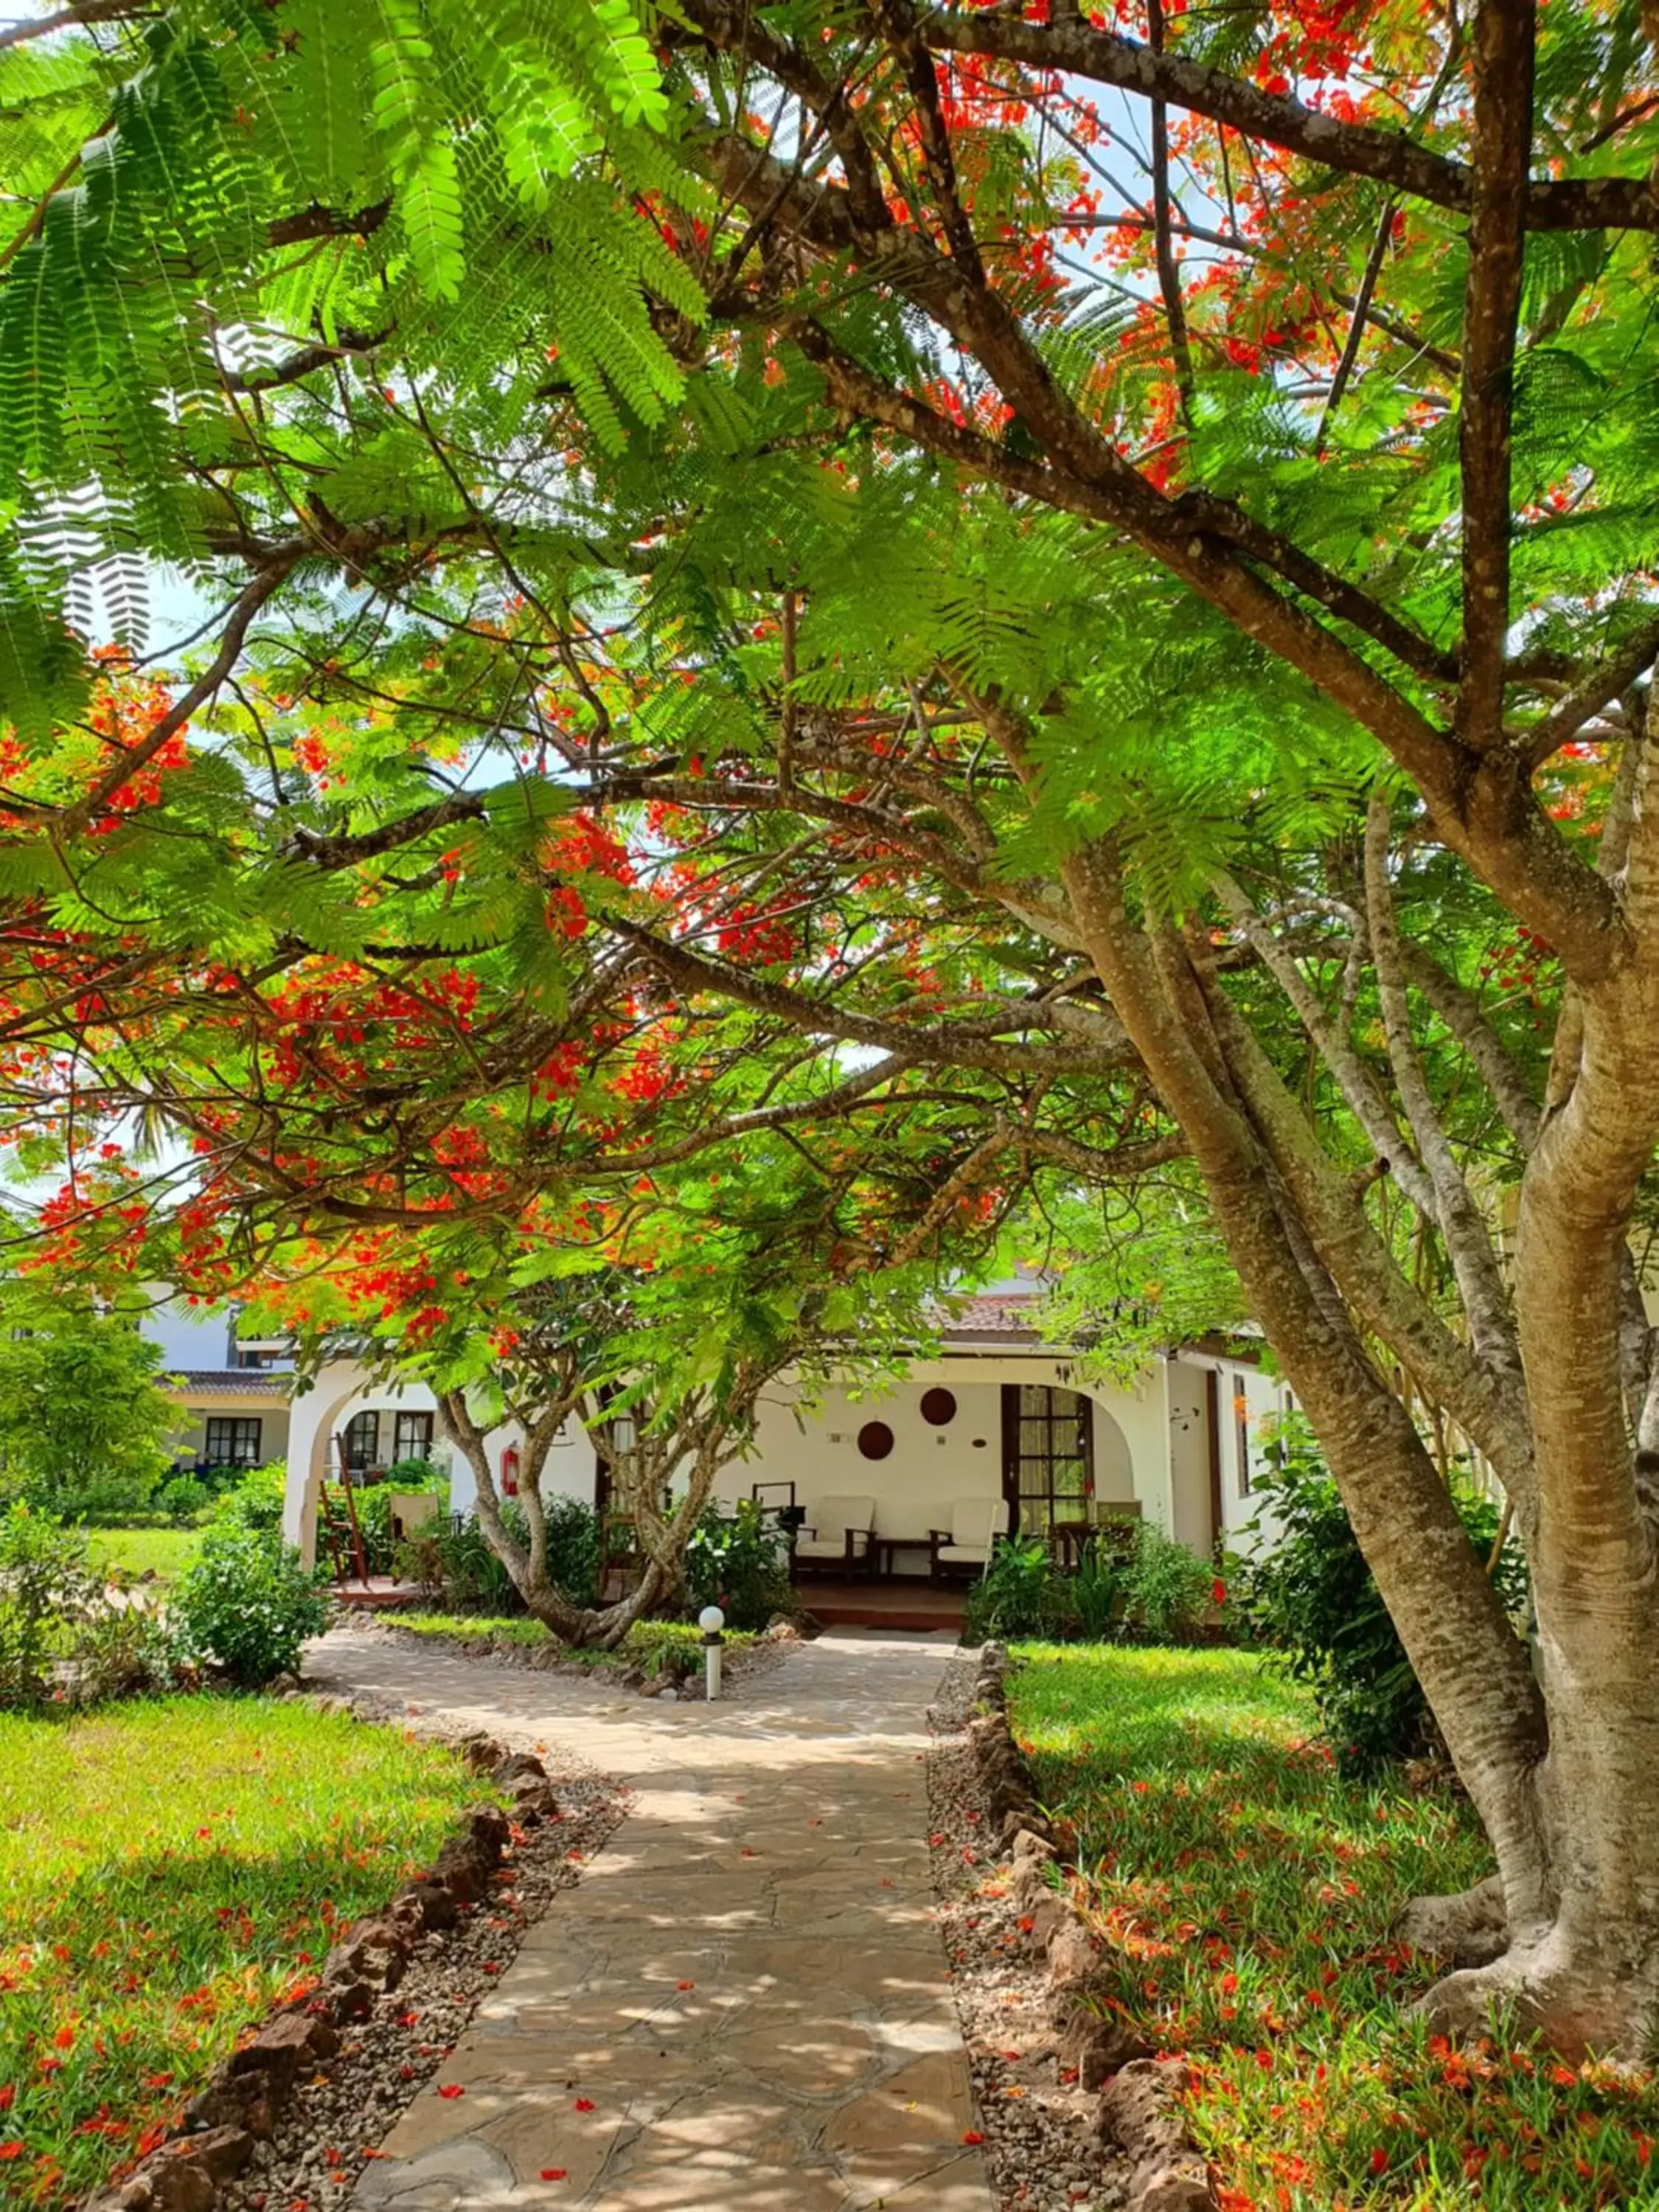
821 1547
965 1554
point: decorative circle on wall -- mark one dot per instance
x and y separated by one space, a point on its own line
939 1405
875 1440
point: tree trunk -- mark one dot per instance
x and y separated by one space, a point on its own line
1589 1971
664 1536
1473 1667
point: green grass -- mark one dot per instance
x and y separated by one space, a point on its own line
1245 1895
168 1870
167 1551
458 1625
646 1645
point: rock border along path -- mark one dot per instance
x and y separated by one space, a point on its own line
744 2005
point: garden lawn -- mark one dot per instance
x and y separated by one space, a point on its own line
169 1871
165 1552
1245 1893
647 1645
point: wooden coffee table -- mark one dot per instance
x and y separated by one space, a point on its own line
883 1548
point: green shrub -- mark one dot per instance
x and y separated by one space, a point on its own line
415 1474
459 1568
256 1501
83 1419
738 1561
1093 1592
249 1603
1013 1596
221 1481
62 1634
572 1548
183 1499
45 1586
129 1650
1312 1601
1166 1590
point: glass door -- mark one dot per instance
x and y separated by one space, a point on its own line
1048 1456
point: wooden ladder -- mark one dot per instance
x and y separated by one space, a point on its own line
341 1529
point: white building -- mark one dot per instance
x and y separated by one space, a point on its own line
232 1396
997 1414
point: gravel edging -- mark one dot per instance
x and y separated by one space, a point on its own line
1055 1992
293 2115
331 2130
1039 2125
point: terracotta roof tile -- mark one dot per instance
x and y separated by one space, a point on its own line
1009 1313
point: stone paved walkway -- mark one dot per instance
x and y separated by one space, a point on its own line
744 2003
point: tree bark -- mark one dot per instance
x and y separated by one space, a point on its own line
1473 1666
642 1474
1591 1973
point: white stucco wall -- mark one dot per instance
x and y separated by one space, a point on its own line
1139 1434
930 1468
1187 1395
1266 1399
317 1416
572 1466
189 1440
340 1391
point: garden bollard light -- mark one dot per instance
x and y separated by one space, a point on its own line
711 1620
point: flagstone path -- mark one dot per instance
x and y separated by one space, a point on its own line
742 2006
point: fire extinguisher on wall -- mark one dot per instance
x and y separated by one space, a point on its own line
510 1472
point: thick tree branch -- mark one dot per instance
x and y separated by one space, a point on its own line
1168 273
1484 1406
1460 1010
1593 690
1360 149
1362 307
1504 31
965 1044
88 11
828 1103
304 362
318 222
327 852
1353 1079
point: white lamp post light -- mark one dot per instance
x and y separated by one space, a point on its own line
711 1620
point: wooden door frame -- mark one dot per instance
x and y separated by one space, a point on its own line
1010 1453
1213 1413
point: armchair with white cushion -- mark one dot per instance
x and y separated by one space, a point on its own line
966 1546
837 1536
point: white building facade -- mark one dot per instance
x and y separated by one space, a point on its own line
994 1414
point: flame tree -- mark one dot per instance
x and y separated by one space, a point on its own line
1191 475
